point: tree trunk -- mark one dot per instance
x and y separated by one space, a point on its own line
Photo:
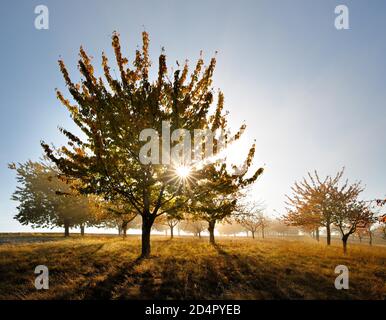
119 230
247 234
66 229
253 234
124 229
171 232
211 231
146 229
262 232
328 231
370 238
82 230
199 234
344 240
317 234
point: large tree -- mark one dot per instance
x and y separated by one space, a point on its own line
109 160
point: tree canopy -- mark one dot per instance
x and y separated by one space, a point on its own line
112 114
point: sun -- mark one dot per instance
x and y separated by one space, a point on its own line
183 172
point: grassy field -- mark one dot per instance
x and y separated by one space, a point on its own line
107 267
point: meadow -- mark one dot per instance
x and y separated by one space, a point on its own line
108 267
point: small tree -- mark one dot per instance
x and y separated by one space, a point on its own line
311 205
381 231
193 225
251 217
169 221
221 189
382 217
230 227
46 200
118 214
349 212
173 219
352 215
279 228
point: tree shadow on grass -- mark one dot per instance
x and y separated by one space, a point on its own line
245 280
278 282
140 285
104 290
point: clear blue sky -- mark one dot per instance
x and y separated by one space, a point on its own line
313 97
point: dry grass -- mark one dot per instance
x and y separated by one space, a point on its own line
101 267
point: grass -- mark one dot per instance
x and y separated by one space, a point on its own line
106 267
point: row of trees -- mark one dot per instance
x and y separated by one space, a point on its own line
46 199
330 202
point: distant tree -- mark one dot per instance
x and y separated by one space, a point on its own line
311 206
354 215
381 219
367 227
161 225
222 190
349 212
251 217
118 214
230 227
307 221
169 221
173 218
381 231
360 233
112 117
193 225
47 200
381 202
280 228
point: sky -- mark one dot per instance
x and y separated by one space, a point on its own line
312 96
